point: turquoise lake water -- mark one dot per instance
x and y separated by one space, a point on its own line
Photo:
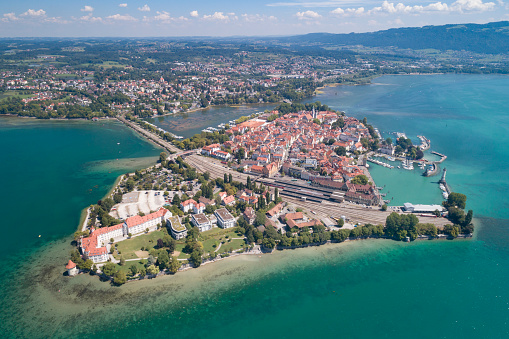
363 289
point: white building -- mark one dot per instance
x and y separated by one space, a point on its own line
422 208
224 218
387 149
178 231
187 205
94 246
201 221
71 268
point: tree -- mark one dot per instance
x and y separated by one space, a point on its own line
452 230
230 178
225 179
456 200
160 243
176 200
122 261
109 269
143 271
117 198
196 258
341 222
120 278
163 259
360 179
152 269
175 265
341 151
468 218
261 218
87 265
134 269
163 156
384 207
269 243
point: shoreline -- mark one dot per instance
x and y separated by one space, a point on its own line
258 252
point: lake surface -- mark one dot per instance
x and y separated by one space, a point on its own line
189 124
361 289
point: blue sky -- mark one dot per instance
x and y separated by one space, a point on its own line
78 18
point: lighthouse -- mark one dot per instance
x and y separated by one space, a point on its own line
443 176
71 268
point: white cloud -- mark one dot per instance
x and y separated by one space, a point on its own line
355 11
87 9
216 16
91 18
472 6
162 16
34 13
338 11
257 18
311 4
308 15
387 7
194 14
122 5
9 17
144 8
120 17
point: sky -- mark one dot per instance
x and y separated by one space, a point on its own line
155 18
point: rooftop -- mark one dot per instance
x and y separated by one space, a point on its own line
224 214
201 218
176 225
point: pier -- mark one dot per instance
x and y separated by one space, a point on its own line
442 182
442 157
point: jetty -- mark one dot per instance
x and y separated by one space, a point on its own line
381 163
446 190
431 170
442 157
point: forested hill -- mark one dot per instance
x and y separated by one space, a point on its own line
490 38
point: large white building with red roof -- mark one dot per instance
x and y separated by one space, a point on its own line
94 246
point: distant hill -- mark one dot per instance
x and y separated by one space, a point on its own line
490 38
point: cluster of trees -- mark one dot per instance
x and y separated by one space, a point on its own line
85 265
360 179
404 145
202 139
455 204
194 247
294 107
101 211
99 106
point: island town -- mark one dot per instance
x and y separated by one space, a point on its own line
276 180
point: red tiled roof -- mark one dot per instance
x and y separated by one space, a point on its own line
70 265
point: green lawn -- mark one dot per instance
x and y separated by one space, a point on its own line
235 244
129 246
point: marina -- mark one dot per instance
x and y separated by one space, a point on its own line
381 163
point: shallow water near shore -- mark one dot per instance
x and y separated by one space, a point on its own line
361 289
